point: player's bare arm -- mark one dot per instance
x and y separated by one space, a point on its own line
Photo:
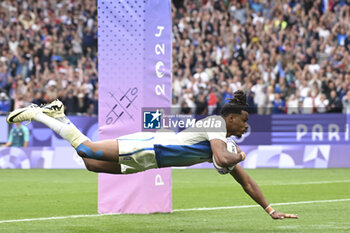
253 190
222 156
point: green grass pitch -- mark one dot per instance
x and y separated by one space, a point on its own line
27 194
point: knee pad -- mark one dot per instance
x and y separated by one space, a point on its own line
85 152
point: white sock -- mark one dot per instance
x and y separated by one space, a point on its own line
63 119
67 130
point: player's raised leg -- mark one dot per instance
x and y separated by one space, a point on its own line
102 150
106 150
98 166
56 110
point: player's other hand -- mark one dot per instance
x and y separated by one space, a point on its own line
280 215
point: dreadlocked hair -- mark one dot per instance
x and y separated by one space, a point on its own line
240 98
235 105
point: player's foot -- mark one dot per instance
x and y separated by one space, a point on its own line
23 114
54 109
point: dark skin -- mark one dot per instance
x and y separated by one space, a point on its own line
253 190
236 124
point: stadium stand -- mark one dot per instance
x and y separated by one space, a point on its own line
289 56
48 50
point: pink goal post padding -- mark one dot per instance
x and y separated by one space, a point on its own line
141 193
134 45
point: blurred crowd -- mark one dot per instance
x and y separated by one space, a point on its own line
48 50
289 56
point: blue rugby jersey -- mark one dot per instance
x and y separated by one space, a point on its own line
190 146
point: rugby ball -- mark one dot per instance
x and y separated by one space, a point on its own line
231 147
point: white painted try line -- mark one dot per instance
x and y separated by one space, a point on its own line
55 218
250 206
176 210
278 184
308 182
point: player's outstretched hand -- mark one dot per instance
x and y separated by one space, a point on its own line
280 215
